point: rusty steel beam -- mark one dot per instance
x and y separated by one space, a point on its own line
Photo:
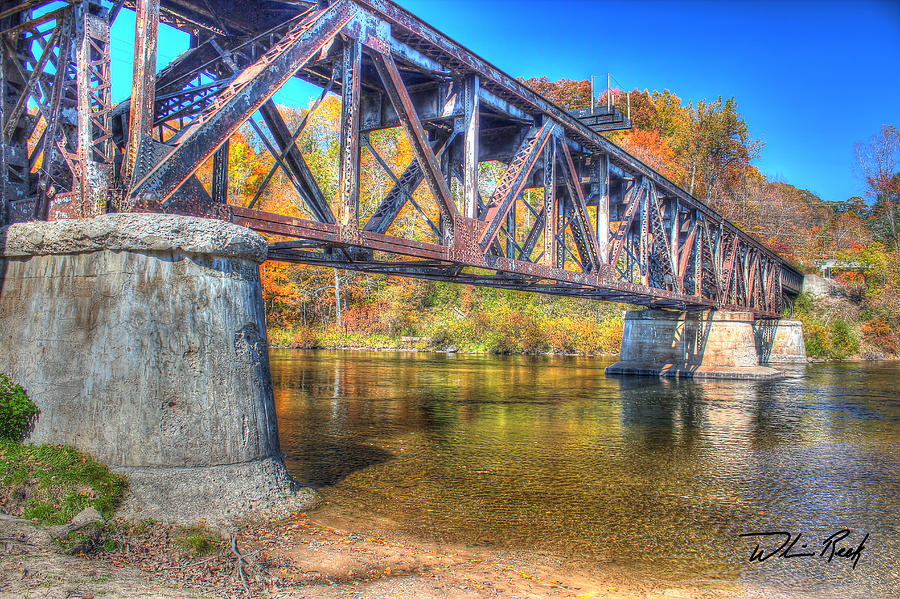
94 88
351 72
219 193
472 138
330 234
551 207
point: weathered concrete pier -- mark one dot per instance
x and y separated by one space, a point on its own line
713 344
142 340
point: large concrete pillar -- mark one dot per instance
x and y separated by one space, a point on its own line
717 344
142 340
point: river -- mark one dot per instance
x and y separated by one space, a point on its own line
643 477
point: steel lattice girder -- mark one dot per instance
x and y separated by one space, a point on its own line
604 226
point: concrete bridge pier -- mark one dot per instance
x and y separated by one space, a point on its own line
711 345
142 340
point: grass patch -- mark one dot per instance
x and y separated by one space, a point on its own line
52 483
94 538
197 541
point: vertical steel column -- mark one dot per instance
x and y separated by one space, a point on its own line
644 239
675 242
350 109
6 95
511 230
698 258
446 165
563 212
779 290
143 93
470 159
5 184
601 174
14 172
220 174
55 177
93 176
550 204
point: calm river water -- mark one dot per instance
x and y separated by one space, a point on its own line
655 479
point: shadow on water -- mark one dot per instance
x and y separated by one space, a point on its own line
661 413
321 463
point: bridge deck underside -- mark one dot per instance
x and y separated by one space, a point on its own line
571 213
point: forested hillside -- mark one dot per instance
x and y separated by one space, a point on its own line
706 148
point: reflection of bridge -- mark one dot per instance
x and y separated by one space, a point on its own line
598 223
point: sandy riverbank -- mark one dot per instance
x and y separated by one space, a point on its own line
292 558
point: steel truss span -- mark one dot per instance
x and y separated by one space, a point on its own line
573 214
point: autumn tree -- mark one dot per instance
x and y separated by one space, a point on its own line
565 93
879 163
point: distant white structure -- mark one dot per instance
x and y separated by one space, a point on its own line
829 268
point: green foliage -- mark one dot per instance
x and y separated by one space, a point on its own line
17 411
52 483
827 337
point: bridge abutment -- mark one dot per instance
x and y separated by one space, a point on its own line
715 344
142 340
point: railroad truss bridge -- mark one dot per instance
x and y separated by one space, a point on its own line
573 214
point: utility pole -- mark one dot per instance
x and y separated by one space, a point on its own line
609 92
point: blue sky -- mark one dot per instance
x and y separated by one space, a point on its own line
810 78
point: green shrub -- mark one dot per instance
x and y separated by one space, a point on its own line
844 342
804 304
835 341
17 411
818 341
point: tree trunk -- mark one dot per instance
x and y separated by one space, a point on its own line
337 298
693 172
892 221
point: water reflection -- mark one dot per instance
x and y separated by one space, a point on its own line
657 476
